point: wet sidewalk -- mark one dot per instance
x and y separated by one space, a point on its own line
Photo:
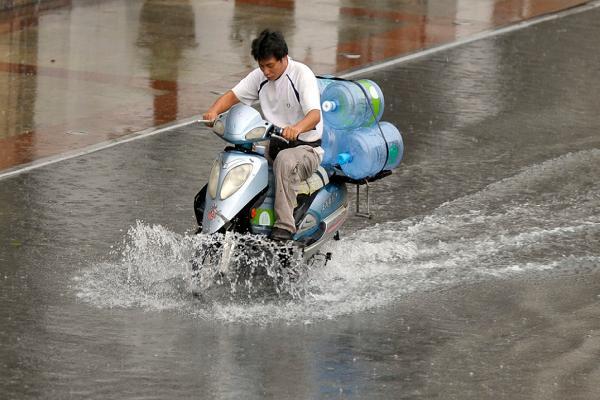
77 73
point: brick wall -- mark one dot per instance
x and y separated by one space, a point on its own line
8 5
29 6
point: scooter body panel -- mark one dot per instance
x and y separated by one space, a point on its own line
218 211
329 199
326 214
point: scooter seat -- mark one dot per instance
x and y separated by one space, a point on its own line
314 182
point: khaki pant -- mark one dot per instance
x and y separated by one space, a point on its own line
291 166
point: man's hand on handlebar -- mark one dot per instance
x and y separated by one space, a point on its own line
210 116
291 133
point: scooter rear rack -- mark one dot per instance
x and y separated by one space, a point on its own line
358 183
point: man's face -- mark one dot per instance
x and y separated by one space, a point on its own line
273 68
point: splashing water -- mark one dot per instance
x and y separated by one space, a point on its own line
545 219
150 271
153 270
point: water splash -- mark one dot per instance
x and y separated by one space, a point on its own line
153 269
148 270
545 220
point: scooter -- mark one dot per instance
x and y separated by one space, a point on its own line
235 208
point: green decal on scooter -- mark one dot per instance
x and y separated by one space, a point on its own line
264 217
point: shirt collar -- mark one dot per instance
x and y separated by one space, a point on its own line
287 69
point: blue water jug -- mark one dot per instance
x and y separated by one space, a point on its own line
367 153
323 82
331 142
345 105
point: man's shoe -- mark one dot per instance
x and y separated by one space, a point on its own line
281 234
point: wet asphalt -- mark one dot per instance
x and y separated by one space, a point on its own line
484 251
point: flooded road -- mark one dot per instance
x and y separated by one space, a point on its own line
479 276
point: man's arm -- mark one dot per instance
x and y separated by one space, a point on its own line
309 122
222 104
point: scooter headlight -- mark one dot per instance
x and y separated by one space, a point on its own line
256 133
219 127
213 180
235 179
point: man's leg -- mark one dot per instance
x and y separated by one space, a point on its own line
291 166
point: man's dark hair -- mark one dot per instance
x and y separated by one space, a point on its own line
269 44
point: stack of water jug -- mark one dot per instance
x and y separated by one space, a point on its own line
354 138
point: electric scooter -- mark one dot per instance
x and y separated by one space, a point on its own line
234 210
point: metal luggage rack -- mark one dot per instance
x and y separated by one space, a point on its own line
359 183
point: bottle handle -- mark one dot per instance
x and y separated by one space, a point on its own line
344 158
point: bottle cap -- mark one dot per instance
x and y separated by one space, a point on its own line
328 106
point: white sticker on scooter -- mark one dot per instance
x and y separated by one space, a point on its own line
264 219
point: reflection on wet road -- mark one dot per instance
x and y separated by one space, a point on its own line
76 73
478 278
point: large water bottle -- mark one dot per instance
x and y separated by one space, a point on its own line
345 105
367 152
323 82
332 143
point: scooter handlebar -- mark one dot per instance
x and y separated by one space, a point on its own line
276 133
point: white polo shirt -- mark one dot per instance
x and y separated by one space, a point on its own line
286 100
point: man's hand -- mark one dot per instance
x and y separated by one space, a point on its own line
291 132
222 104
307 123
210 116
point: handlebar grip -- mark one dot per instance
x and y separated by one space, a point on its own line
276 133
277 130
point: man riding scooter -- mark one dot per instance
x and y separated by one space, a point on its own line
289 97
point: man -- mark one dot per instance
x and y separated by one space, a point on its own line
289 97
